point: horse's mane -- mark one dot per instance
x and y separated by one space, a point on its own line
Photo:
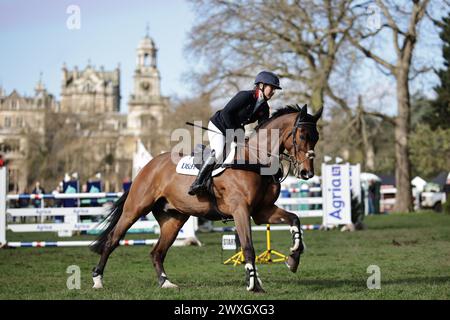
280 112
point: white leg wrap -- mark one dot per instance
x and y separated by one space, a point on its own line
167 284
296 237
98 284
251 284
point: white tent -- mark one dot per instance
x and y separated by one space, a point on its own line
419 183
366 176
140 158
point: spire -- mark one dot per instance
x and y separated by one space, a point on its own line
39 86
147 42
146 51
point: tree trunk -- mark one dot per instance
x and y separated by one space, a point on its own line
403 199
369 153
370 158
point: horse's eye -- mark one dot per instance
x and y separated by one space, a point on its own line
302 137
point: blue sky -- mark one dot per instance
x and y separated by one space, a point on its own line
34 38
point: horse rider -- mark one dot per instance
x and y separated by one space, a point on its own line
244 108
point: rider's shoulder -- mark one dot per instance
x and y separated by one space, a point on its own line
245 94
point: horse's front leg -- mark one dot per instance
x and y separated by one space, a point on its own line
275 215
242 221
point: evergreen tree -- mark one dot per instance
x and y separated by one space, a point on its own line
439 114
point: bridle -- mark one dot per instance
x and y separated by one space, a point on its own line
292 159
309 155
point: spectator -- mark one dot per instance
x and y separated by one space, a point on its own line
85 202
24 202
2 162
38 202
38 189
126 184
57 202
371 196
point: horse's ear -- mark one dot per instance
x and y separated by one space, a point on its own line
303 112
318 114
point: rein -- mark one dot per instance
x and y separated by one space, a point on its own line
292 159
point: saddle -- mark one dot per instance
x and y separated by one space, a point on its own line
200 154
190 165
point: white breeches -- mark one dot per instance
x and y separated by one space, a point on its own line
216 141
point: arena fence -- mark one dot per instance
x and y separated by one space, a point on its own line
305 202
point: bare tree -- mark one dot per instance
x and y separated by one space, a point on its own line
403 23
299 40
189 110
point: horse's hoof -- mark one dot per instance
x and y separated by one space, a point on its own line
292 264
98 283
256 289
169 285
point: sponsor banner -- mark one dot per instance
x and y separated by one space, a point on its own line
336 194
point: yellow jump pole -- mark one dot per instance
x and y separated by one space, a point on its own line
236 259
266 256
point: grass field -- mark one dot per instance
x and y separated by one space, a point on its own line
412 251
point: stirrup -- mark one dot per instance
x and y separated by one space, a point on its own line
196 189
199 183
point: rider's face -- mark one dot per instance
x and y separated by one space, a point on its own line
269 91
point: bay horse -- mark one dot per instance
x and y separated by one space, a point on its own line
240 195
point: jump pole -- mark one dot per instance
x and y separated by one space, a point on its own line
46 244
268 256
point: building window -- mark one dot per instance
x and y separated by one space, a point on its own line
12 145
14 105
146 60
19 122
7 122
88 87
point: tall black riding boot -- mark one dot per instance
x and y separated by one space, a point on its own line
199 183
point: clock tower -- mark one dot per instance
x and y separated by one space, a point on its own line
146 106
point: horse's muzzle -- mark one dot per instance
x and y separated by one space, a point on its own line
305 175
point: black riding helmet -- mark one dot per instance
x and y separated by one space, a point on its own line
268 77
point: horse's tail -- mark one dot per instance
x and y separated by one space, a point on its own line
113 217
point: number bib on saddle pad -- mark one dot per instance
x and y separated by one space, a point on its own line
187 166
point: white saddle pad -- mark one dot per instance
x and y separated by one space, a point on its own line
186 164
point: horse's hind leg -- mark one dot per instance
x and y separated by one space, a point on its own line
170 223
131 213
276 215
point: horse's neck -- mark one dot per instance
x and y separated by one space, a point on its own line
267 140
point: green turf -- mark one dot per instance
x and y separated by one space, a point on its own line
412 250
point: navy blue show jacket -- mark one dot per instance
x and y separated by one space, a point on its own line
240 111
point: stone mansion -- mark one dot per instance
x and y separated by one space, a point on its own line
102 139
